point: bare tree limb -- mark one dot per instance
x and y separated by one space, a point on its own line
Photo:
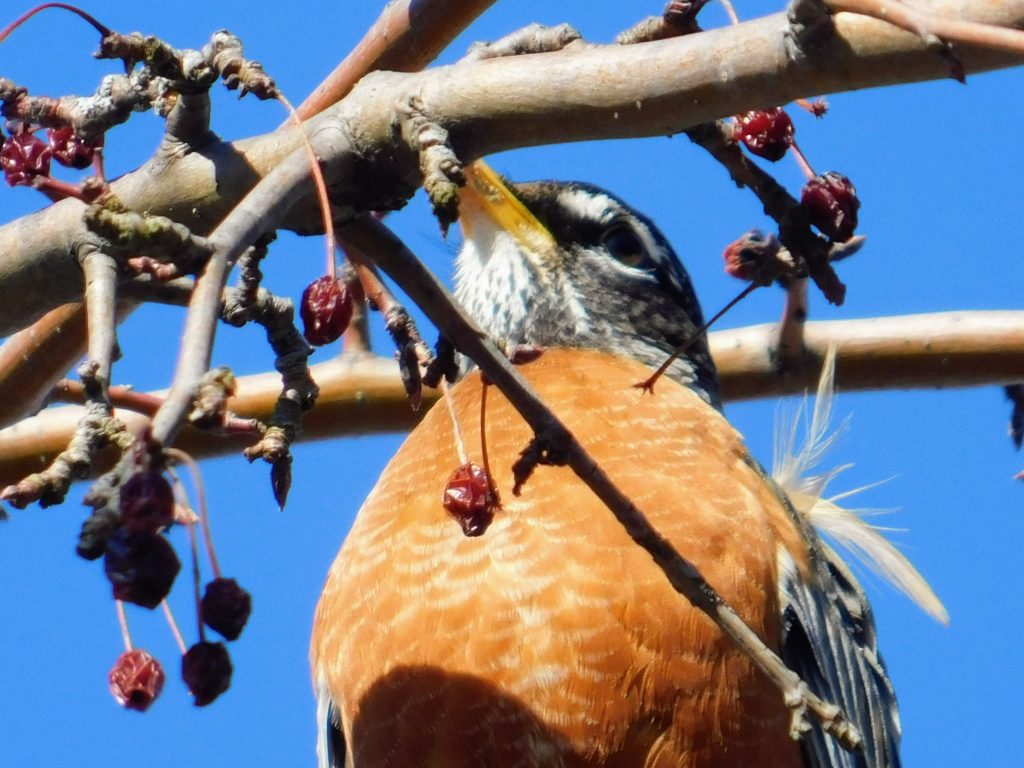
655 88
362 393
945 349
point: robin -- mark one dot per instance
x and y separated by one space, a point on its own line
544 636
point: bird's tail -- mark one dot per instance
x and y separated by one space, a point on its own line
792 469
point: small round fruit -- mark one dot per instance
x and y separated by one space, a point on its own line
831 203
768 133
470 499
72 150
24 156
326 310
136 680
147 502
225 607
141 567
206 670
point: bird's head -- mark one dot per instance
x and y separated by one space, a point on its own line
567 264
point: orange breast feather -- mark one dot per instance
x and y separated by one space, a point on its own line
552 640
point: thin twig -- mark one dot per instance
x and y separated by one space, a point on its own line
101 28
194 546
100 272
318 184
730 11
146 404
648 384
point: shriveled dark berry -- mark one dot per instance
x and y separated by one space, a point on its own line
752 256
72 150
141 567
768 133
147 502
226 607
470 499
326 310
97 528
831 203
206 670
136 680
23 156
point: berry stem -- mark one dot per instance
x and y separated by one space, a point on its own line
460 444
318 181
194 543
730 11
483 440
103 30
122 620
817 107
174 627
197 480
648 384
801 160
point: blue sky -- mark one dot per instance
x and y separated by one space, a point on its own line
937 168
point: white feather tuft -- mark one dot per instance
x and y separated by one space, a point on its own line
791 470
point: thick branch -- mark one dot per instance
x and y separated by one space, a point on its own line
655 88
362 394
941 350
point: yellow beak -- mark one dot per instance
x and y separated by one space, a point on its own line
487 200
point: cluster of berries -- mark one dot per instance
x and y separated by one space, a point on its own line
829 199
25 157
141 565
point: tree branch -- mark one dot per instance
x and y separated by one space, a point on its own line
362 393
938 350
648 89
404 38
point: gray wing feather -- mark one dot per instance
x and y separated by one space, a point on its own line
330 742
828 638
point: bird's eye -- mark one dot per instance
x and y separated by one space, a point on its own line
624 245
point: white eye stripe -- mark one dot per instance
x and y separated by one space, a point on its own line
589 206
